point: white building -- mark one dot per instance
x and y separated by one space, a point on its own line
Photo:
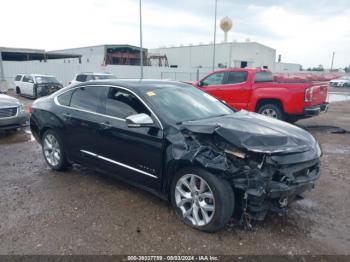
232 54
287 67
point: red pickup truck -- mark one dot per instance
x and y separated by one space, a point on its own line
254 90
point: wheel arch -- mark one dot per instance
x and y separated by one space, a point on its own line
175 166
265 101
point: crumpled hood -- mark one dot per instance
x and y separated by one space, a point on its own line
255 133
8 101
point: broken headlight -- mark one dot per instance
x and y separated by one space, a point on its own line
21 108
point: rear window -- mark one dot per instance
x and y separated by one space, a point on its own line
236 77
81 78
263 77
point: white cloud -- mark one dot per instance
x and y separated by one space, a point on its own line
58 24
308 39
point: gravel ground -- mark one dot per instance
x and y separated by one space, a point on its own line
84 212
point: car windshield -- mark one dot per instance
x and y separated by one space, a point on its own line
46 79
101 77
180 103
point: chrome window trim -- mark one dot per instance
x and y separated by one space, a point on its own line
83 110
118 163
113 117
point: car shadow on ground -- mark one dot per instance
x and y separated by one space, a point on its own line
15 136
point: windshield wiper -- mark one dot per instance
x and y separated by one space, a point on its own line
181 122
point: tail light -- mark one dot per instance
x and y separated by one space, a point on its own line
309 91
30 109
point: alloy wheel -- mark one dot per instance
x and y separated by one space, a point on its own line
270 113
195 199
52 150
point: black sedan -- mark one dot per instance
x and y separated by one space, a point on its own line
181 144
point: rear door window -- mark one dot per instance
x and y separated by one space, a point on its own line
86 98
28 79
236 77
261 77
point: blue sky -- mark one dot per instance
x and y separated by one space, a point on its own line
305 32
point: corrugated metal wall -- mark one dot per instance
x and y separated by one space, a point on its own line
66 71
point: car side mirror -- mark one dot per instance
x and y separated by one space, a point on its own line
202 84
139 120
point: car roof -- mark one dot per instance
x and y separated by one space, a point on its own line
137 84
238 69
35 75
93 73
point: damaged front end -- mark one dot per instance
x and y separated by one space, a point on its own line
271 186
267 169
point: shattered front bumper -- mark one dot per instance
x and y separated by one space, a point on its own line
275 195
47 89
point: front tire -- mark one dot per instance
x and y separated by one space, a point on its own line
35 93
18 91
53 151
201 199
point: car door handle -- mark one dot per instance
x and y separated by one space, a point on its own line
67 115
105 125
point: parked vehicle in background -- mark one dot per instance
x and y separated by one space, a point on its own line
343 81
34 85
254 90
3 87
181 144
12 113
89 76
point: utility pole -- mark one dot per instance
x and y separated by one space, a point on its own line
141 48
332 61
213 66
2 73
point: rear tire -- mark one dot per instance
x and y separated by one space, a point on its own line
207 205
271 110
53 151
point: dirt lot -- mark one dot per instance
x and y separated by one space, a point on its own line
84 212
